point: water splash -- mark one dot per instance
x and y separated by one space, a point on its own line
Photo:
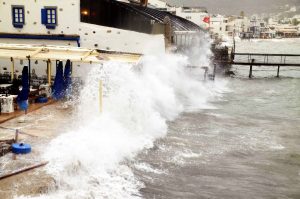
90 161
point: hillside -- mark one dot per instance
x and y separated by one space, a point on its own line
235 6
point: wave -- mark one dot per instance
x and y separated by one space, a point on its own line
90 160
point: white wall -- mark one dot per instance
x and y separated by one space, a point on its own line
105 38
68 22
38 42
68 16
114 39
218 25
158 3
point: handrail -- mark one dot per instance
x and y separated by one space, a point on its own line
263 54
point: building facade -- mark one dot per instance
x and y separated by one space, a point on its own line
59 22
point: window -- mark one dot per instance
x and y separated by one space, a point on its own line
18 16
49 17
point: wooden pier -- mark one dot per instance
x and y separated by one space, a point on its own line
260 59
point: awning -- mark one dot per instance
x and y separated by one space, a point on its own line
74 54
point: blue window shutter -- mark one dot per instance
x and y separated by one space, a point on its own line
13 15
44 16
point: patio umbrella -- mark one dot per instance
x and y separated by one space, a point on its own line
67 77
22 99
58 87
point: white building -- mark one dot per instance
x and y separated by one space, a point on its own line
193 14
241 24
161 5
103 25
224 27
58 22
219 26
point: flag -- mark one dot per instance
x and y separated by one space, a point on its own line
206 19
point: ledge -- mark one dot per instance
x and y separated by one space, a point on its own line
61 37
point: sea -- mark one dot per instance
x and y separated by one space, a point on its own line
165 133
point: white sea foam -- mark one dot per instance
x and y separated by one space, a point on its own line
88 162
148 168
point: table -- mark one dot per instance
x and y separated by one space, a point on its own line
5 85
6 104
45 89
4 88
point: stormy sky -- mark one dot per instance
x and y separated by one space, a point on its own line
234 7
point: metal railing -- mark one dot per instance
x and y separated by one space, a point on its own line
266 59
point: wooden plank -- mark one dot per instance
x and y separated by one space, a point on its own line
23 170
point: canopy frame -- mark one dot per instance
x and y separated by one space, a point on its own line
63 53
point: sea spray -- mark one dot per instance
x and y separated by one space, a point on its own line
90 161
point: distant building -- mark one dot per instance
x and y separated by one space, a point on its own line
193 14
219 26
158 4
287 31
230 26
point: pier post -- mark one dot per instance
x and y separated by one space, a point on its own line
250 72
214 72
278 71
205 73
12 68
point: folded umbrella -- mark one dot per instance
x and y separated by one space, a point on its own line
58 87
67 78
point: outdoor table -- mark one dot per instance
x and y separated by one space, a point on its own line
6 104
4 88
45 89
5 85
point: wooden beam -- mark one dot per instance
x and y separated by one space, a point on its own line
23 170
86 55
35 52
